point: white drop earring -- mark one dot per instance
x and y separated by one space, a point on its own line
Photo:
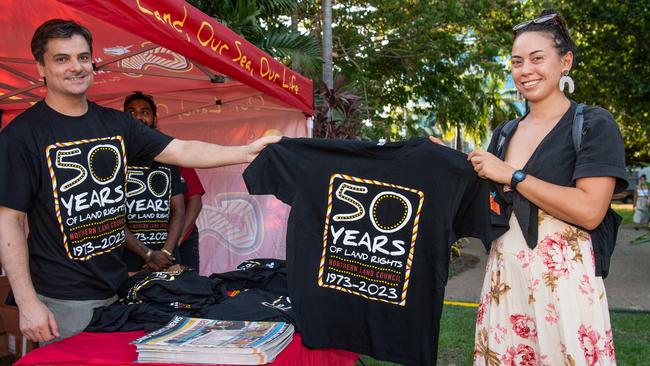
566 79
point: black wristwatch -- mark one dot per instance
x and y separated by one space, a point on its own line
517 177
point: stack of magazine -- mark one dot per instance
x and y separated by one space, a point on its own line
194 340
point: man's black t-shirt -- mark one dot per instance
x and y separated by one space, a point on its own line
368 238
148 204
69 175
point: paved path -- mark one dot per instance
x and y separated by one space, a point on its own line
628 283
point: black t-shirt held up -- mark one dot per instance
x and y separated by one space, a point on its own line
368 238
69 175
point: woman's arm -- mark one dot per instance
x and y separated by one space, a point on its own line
584 205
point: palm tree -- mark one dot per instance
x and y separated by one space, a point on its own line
258 22
328 74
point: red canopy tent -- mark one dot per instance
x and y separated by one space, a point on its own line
209 84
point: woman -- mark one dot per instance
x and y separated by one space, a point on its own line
542 303
641 204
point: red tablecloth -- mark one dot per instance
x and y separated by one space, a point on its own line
115 349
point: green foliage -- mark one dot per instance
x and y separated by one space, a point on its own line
431 66
300 51
641 239
260 22
414 60
338 111
426 64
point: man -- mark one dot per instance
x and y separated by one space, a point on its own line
63 166
143 107
155 207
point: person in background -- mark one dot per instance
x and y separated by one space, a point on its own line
143 108
641 203
542 302
155 209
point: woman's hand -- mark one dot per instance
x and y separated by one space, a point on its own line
490 167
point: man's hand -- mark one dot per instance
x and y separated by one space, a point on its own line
254 148
158 261
37 322
436 140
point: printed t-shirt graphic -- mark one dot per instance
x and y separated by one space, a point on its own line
88 186
369 252
148 202
369 236
149 192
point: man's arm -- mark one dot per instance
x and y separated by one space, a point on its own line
198 154
155 259
175 227
192 211
37 322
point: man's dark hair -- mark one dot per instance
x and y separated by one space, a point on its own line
57 28
139 96
556 28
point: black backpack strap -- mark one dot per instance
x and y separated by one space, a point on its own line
505 132
578 122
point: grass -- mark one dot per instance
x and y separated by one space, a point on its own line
625 210
631 337
456 343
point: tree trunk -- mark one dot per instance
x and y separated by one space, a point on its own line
328 75
295 20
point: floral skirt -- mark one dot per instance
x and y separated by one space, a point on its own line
543 306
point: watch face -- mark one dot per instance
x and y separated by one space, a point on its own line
519 176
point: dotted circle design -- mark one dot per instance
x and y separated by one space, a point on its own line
116 163
401 220
150 183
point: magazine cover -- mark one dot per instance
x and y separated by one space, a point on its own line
225 335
